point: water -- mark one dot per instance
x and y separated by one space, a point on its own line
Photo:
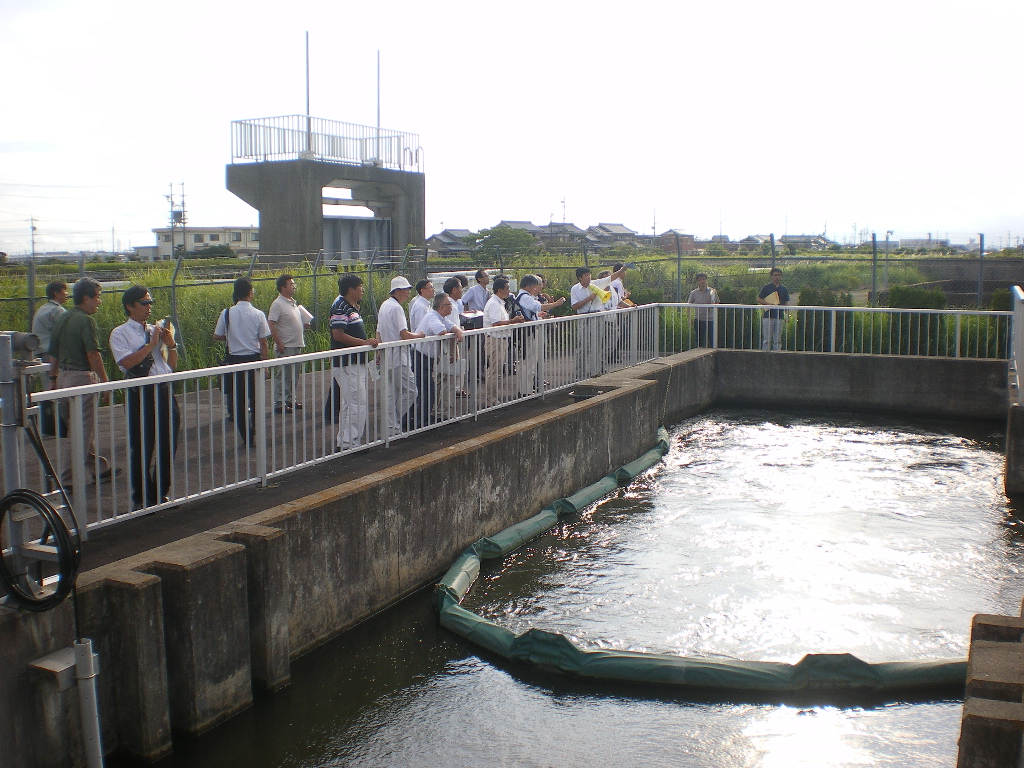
762 537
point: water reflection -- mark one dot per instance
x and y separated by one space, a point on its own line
764 536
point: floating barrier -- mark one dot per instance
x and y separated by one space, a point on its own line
819 673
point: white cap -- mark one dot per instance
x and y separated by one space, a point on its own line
398 283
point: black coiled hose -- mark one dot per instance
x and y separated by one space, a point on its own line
24 576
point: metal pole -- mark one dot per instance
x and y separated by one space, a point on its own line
772 238
981 269
885 279
874 269
679 271
85 674
9 414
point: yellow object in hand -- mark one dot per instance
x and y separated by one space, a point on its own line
603 295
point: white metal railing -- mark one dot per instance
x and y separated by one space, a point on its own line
1017 345
399 389
848 330
295 137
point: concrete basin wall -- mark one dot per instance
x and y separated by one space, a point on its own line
186 632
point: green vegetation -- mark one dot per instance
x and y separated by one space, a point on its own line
204 289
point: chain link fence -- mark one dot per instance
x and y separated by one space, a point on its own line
193 292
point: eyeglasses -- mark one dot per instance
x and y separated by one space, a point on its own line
146 302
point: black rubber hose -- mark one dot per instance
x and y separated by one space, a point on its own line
55 532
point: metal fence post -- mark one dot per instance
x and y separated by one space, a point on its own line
260 403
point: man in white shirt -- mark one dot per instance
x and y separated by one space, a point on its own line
533 310
399 379
244 330
703 323
143 350
586 298
420 304
499 380
477 296
286 327
436 356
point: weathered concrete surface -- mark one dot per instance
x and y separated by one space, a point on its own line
289 196
38 723
122 611
1013 474
269 585
359 547
185 630
908 386
992 727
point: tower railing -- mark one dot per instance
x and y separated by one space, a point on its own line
300 137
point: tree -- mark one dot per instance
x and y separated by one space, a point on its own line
504 239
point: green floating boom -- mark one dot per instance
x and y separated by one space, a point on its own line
826 672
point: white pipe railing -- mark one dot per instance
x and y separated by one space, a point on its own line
404 388
847 330
229 433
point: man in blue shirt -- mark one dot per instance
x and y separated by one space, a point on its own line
774 294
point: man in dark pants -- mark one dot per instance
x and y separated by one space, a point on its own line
75 361
245 331
143 350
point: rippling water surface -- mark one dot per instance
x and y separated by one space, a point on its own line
761 537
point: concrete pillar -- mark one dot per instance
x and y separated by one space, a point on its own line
992 727
1013 477
266 559
206 630
122 612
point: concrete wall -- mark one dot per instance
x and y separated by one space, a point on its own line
913 386
186 632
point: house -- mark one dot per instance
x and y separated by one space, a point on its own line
562 234
244 241
608 235
451 242
669 239
806 242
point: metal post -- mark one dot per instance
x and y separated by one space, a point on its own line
182 353
874 270
9 414
85 674
679 271
31 289
771 237
259 400
981 269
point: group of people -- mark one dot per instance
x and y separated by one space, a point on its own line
422 381
773 295
71 344
72 347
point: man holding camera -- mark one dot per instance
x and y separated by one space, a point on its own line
142 350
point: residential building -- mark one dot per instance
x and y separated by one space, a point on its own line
244 241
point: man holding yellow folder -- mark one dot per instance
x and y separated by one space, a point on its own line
775 294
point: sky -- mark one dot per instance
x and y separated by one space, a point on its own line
736 117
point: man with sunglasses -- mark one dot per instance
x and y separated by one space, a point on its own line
142 350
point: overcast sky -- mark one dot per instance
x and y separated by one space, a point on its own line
740 117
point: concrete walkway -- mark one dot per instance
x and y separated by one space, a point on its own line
139 534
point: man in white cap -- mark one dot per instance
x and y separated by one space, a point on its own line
392 325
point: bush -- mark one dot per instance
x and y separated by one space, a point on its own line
912 297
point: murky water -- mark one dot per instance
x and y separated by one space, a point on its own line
761 537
